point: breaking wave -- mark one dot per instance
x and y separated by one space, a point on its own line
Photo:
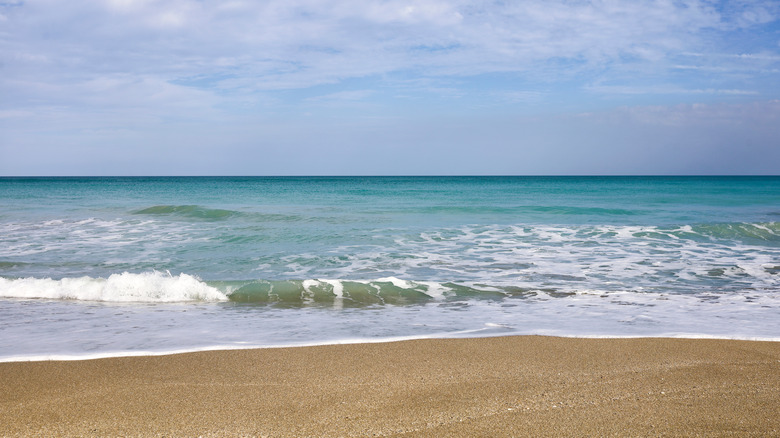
151 287
158 287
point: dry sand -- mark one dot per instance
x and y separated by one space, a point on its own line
510 386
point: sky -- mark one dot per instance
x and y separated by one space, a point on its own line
393 87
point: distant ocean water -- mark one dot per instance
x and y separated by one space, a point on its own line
93 267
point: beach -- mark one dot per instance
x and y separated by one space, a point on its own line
502 386
390 306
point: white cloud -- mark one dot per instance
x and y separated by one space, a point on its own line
127 67
309 42
341 96
666 90
711 116
13 113
435 13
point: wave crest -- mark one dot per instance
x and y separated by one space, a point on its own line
190 211
155 287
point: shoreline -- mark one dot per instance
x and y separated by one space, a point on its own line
487 386
65 357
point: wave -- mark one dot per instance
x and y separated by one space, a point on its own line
760 232
578 211
158 287
766 231
389 290
152 287
554 210
190 211
198 212
745 232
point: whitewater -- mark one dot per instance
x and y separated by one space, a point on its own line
97 267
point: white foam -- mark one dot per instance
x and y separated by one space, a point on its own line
397 282
338 288
474 333
434 290
130 353
308 284
154 287
50 330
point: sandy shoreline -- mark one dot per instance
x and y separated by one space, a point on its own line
508 386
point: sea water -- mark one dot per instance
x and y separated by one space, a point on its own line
93 267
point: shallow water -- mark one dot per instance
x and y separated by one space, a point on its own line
99 266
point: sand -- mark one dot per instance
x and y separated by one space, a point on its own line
508 386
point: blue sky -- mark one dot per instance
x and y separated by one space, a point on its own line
304 87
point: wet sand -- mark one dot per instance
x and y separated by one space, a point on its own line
509 386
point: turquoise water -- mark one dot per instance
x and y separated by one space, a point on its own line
370 258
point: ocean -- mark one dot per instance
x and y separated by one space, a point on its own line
113 266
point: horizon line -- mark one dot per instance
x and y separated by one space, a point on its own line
574 175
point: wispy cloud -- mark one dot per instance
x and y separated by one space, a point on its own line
300 43
666 90
713 116
156 68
